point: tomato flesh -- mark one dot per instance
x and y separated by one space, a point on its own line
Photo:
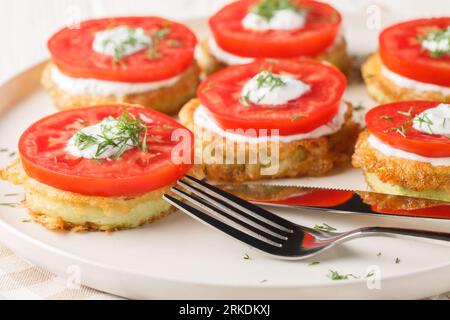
322 26
383 122
72 52
220 94
402 53
44 158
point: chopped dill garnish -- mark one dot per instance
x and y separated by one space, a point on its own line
268 79
401 130
297 116
406 113
436 42
161 33
128 131
268 8
245 100
152 52
334 275
174 43
9 204
120 48
422 119
324 227
84 141
359 107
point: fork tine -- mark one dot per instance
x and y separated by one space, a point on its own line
273 229
245 206
221 226
274 239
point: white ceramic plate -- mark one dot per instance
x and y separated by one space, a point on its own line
178 257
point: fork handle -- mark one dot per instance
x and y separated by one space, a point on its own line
409 232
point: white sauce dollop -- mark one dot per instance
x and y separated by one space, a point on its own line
267 88
404 82
107 127
124 39
203 120
284 19
104 88
393 152
434 121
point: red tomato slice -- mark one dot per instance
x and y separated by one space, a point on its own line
220 94
402 53
383 121
42 150
322 26
320 198
442 212
72 51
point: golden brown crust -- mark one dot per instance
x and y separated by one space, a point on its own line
384 90
309 157
168 100
337 56
414 175
393 202
58 224
119 206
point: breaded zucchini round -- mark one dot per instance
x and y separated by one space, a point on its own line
136 60
404 176
102 168
309 157
383 89
62 210
393 202
167 99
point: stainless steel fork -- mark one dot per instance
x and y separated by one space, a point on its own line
264 230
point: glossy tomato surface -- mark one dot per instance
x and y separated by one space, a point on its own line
42 151
172 51
402 52
221 95
322 26
393 124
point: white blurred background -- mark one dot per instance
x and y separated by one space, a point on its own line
25 25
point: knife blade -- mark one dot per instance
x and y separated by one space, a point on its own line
352 204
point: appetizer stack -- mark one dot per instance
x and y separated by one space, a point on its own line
101 168
300 99
249 29
271 107
406 151
413 62
138 60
